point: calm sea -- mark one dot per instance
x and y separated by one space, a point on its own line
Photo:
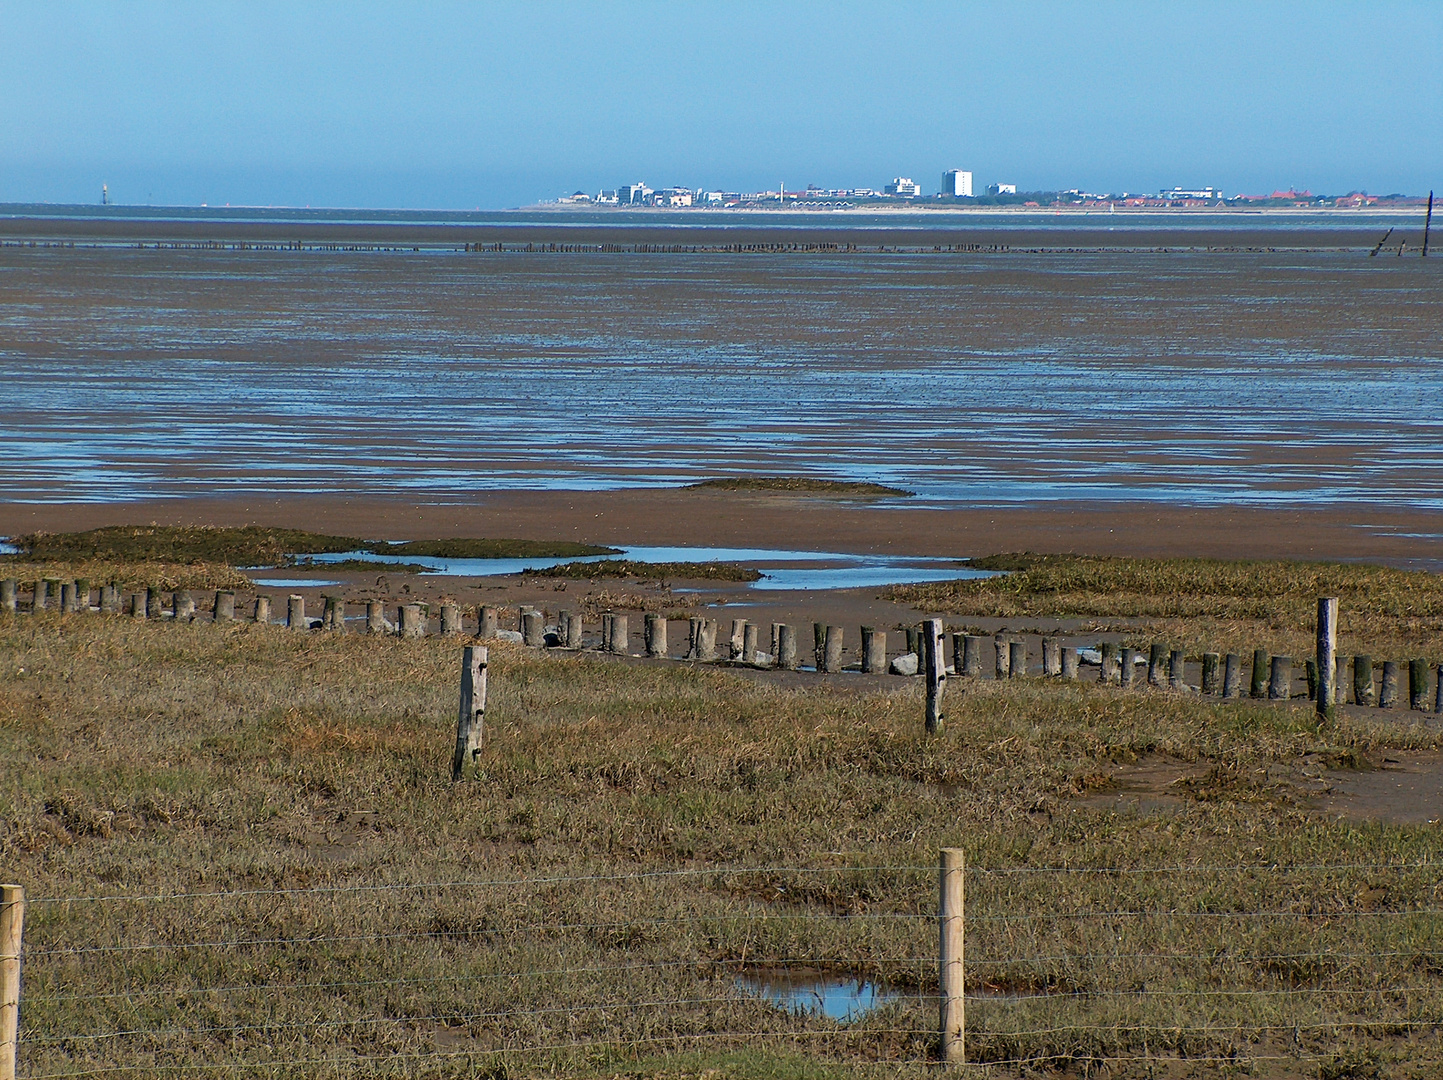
1192 365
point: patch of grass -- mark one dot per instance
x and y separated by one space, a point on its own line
129 575
630 568
1206 603
237 761
803 485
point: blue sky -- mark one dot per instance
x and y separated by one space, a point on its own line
499 104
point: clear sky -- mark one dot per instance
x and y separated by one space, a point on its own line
459 105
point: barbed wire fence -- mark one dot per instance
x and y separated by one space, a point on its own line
1079 966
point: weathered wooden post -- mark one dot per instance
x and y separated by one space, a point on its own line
1129 668
573 630
1210 672
224 609
950 915
68 603
1177 670
296 612
972 656
749 644
337 608
37 595
1388 689
706 641
411 622
1259 686
1108 672
654 634
1438 689
693 638
1340 682
874 651
604 645
375 617
110 601
736 644
1069 662
934 666
1017 659
7 595
819 645
1051 657
1310 674
1156 661
832 650
1363 680
1417 685
471 720
776 643
786 647
1232 675
137 606
82 596
533 628
1327 658
12 926
154 603
263 610
182 606
618 639
1280 684
450 618
487 622
1004 656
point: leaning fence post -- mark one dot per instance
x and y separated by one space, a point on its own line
950 955
12 923
471 720
935 666
1327 656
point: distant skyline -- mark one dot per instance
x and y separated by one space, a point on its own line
449 105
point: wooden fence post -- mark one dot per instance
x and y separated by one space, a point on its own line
950 922
749 644
736 644
375 617
832 650
1363 680
1177 670
263 610
1051 657
1388 685
1156 659
182 606
67 597
1129 667
819 645
37 596
1259 684
487 621
1004 657
786 647
1280 684
7 594
413 623
471 720
154 605
1017 659
533 629
971 657
1438 689
1108 664
874 651
706 641
935 668
224 609
296 612
1417 685
573 631
1232 675
618 638
655 634
12 925
1327 657
450 619
1069 662
1210 672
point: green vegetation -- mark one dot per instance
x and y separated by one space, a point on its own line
800 485
630 568
254 545
148 759
1209 603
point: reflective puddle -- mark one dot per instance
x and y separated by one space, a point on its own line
796 992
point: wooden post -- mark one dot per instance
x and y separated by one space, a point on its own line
693 639
952 986
1310 675
67 597
819 645
487 622
972 656
935 668
618 639
413 623
1108 668
1438 689
1051 657
12 925
1340 682
1232 675
1259 687
263 610
1069 662
749 644
1363 680
7 594
1417 685
1388 690
706 641
776 631
296 612
1327 699
338 615
471 720
1177 670
182 604
82 596
1155 662
1004 656
573 630
1280 683
375 617
1129 667
137 606
37 596
832 649
533 628
110 599
1017 659
1210 672
786 647
874 651
736 644
654 634
959 652
154 606
224 609
450 618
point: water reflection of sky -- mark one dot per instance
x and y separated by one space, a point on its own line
783 569
837 999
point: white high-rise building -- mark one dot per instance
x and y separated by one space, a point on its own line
957 184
